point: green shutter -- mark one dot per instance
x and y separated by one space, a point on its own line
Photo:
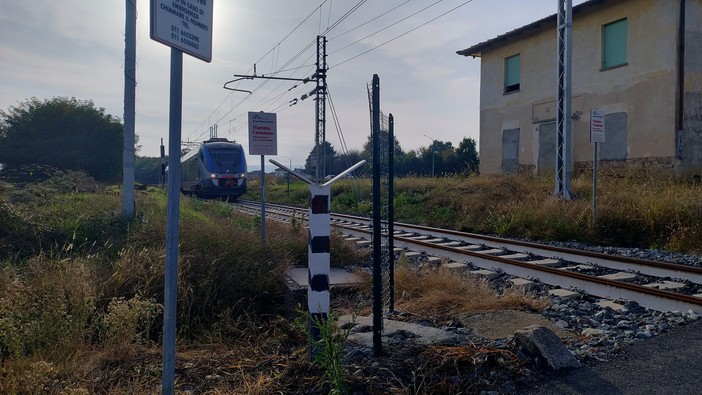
512 73
614 44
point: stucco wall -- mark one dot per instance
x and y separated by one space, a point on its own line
691 150
644 89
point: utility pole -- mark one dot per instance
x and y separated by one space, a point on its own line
129 110
563 115
320 92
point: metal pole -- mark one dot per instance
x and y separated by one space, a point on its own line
564 93
320 114
377 242
129 111
170 295
263 201
594 185
391 210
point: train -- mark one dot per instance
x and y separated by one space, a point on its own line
215 170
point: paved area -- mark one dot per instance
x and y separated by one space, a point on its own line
667 364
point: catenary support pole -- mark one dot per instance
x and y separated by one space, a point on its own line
564 93
377 226
391 210
129 111
170 295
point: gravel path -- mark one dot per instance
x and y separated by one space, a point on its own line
667 364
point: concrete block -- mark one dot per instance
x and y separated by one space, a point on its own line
436 240
563 293
411 254
518 255
621 276
363 243
451 244
548 262
455 265
521 282
492 251
434 260
472 247
483 273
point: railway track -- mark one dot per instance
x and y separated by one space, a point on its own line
660 286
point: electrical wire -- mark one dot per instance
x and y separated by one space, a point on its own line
401 35
371 20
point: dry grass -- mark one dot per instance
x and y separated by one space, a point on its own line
443 293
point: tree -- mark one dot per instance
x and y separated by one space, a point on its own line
330 157
468 154
63 133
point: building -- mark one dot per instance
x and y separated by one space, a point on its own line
636 60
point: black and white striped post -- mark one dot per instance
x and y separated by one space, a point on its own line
318 248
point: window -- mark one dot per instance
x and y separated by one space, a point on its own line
512 74
614 44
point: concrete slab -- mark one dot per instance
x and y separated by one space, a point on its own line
580 268
483 272
436 240
518 255
521 282
421 237
394 332
405 234
352 238
472 247
548 262
563 293
337 276
621 276
454 265
363 243
491 251
610 304
434 260
697 296
411 254
451 244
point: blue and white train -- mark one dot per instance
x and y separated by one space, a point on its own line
215 170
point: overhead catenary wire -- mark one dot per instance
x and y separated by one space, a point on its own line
371 20
401 35
389 26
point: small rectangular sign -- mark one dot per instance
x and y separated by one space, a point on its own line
263 133
184 24
597 126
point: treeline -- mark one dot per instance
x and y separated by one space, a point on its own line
439 159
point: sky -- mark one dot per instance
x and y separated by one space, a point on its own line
75 48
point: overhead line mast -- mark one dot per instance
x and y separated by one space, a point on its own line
320 91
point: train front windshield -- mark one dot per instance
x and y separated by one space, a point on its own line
227 161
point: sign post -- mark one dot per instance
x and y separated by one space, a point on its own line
185 26
263 140
597 135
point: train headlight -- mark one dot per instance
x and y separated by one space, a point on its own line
213 175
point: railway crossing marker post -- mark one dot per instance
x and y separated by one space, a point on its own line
318 248
175 29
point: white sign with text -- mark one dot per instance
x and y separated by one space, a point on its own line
597 126
263 133
184 24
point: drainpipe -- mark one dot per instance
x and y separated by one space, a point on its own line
680 116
